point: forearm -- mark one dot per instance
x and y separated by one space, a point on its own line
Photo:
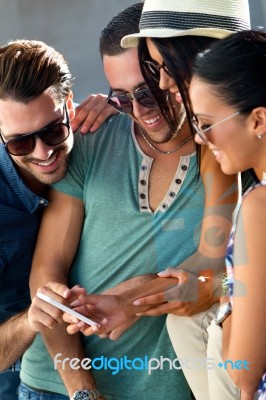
211 268
188 289
247 332
251 368
242 375
194 267
62 346
65 351
15 337
151 286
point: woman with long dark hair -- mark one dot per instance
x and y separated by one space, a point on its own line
171 34
228 94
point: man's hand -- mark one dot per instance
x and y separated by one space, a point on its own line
192 295
175 291
113 308
41 313
110 310
91 113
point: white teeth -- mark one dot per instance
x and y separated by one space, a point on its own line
152 120
48 162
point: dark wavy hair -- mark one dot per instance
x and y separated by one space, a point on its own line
178 54
29 67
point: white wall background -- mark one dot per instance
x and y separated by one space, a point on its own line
73 28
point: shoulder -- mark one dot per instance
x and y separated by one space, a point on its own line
219 187
251 220
115 122
254 201
11 182
114 125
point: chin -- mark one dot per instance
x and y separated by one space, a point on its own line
53 177
229 170
57 177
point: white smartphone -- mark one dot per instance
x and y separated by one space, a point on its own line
66 309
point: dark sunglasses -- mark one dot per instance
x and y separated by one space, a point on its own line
123 102
154 69
53 135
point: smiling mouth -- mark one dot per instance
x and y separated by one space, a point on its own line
151 120
48 162
217 154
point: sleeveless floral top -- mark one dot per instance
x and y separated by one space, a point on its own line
261 392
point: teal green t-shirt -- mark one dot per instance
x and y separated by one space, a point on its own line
122 238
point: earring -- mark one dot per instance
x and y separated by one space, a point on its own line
259 136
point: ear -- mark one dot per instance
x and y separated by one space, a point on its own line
70 105
258 121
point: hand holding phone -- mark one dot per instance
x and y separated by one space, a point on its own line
66 309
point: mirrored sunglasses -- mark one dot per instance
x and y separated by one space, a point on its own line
123 102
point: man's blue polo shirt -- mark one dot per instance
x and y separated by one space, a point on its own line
20 215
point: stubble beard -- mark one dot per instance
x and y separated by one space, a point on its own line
180 116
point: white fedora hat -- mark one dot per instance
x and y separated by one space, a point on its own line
169 18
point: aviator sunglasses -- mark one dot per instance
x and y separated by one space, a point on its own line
52 135
123 102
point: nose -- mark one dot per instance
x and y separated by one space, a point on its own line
137 109
42 151
199 140
166 82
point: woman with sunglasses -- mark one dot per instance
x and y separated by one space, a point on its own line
171 35
228 94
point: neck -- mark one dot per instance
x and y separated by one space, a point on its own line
171 146
37 187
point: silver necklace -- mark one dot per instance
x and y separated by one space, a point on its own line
160 151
